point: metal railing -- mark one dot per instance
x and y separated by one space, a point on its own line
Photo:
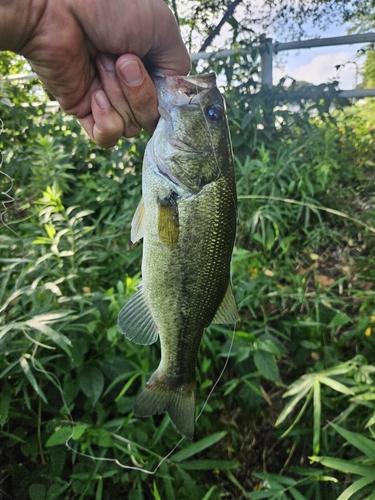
268 48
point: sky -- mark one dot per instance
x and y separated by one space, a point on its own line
315 65
318 65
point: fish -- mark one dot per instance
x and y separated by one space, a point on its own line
187 218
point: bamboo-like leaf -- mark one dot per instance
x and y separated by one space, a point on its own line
296 494
337 386
155 492
292 403
317 416
55 336
29 374
127 386
5 329
311 206
197 447
52 317
9 368
99 490
303 384
298 417
209 465
345 466
354 487
364 444
207 496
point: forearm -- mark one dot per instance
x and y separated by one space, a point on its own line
18 19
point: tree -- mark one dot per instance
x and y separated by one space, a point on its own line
201 22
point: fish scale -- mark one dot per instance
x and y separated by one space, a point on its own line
187 219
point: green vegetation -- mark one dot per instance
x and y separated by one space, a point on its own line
293 416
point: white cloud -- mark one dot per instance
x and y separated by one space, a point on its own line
322 69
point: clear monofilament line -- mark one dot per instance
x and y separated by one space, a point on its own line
115 460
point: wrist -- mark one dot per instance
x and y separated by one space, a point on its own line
18 19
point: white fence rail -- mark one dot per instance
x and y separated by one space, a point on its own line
268 48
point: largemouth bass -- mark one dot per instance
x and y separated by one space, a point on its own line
187 218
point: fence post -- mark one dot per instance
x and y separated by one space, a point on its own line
266 51
266 62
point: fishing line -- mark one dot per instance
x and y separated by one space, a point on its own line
6 194
121 438
8 201
118 437
208 126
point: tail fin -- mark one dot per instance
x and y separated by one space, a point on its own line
158 395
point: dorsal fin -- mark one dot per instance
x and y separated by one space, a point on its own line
227 312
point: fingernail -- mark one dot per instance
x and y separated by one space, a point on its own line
108 63
101 99
132 73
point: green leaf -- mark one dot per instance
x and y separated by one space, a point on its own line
55 336
356 486
207 496
30 376
4 403
127 386
339 319
305 388
60 436
197 447
91 381
296 494
99 490
78 431
155 492
345 466
37 491
266 365
317 416
365 445
337 386
209 465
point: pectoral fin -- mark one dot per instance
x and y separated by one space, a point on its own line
168 224
138 223
135 320
227 312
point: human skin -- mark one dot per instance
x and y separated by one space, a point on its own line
90 55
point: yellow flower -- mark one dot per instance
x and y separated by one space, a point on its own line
368 331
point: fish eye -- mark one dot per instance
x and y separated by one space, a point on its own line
214 112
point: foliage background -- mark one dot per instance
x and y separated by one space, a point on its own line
293 415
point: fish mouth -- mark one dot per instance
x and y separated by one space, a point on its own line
182 90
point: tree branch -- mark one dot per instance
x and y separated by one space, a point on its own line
217 30
174 7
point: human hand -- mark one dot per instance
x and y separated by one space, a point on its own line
88 54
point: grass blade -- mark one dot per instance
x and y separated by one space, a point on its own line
354 487
365 445
197 447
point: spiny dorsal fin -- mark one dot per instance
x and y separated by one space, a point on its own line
138 223
227 312
135 320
